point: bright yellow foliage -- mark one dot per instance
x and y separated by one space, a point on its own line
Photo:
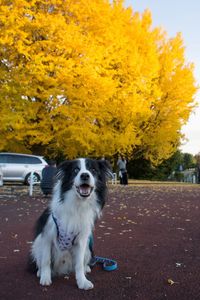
90 78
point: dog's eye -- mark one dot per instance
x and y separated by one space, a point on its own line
93 170
76 170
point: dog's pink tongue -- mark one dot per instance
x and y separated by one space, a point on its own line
84 190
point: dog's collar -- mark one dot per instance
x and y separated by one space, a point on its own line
65 240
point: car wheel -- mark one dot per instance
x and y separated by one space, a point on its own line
36 178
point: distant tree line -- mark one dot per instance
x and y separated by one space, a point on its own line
178 162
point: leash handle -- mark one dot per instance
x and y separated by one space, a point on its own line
108 264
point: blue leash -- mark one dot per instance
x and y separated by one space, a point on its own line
108 264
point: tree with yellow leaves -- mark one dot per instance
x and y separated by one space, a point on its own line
90 79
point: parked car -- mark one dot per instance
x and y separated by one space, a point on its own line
18 167
1 177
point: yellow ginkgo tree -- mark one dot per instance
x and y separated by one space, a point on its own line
90 78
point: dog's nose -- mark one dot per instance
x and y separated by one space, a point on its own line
85 176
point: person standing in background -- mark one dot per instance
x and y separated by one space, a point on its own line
48 174
121 163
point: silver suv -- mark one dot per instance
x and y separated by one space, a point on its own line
18 167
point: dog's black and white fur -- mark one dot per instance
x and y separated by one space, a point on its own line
78 198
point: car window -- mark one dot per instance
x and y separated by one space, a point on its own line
16 159
19 159
3 158
33 160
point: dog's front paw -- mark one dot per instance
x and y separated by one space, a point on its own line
45 280
38 273
85 285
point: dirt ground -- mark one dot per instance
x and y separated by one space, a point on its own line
153 231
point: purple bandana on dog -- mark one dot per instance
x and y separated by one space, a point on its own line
65 240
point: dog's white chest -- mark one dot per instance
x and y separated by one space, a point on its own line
65 240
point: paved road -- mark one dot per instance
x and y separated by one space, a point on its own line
152 231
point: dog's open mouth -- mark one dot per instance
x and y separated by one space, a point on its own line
84 190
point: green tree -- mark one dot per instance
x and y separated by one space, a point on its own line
143 169
188 161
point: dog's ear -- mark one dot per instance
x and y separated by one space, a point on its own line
59 174
62 169
106 168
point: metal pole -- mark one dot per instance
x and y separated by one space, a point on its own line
1 180
31 185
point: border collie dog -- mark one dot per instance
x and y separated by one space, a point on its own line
63 231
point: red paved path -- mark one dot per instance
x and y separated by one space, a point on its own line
152 231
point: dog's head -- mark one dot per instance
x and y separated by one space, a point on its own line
85 176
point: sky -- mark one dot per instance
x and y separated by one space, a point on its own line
180 16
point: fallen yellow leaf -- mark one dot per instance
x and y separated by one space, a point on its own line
170 281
